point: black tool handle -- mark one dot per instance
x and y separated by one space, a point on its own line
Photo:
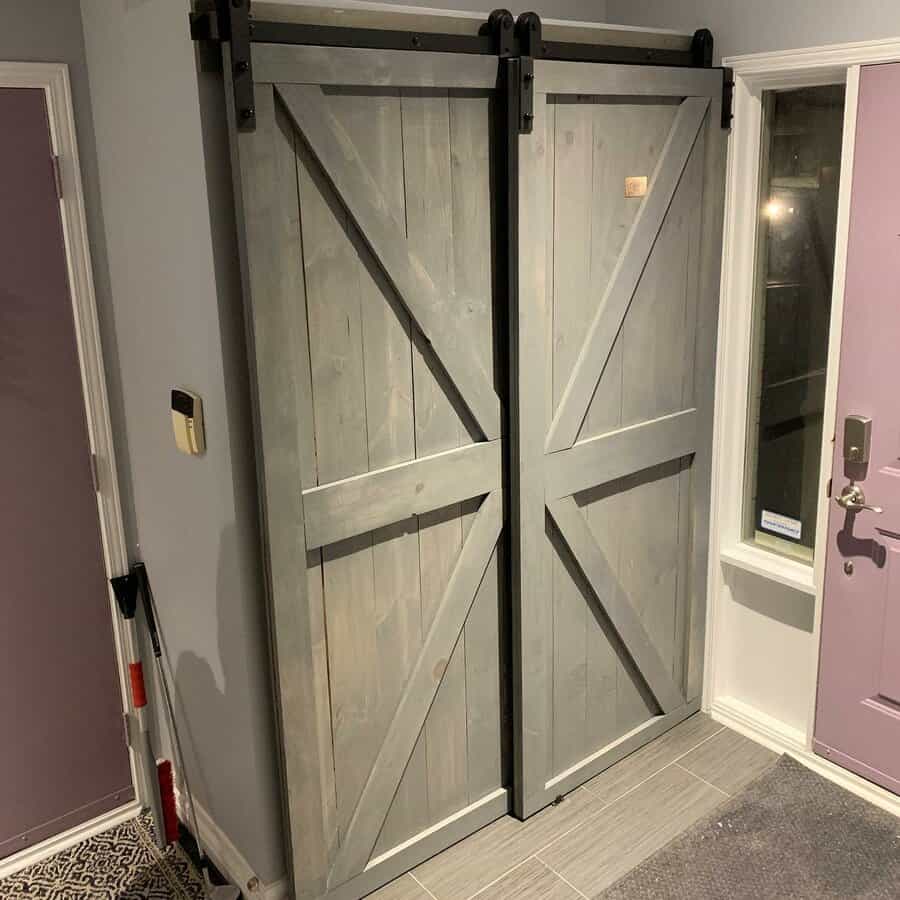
125 588
139 570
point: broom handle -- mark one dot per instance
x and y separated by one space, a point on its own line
140 570
126 597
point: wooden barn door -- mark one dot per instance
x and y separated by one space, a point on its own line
619 228
367 211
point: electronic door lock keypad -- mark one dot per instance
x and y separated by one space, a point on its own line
857 439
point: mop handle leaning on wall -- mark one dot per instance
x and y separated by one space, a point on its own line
139 570
125 588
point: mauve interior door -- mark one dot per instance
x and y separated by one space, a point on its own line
858 713
63 757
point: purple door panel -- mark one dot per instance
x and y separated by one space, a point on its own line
63 758
858 707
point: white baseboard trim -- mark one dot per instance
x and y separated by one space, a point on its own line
228 859
782 738
66 839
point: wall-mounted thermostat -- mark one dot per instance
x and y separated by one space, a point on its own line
187 422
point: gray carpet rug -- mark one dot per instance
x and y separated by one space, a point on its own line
120 864
790 834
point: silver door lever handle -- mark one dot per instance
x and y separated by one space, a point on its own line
853 500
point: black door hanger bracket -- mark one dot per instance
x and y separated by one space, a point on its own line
502 35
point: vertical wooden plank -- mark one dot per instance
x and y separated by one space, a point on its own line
470 156
408 814
693 171
653 332
550 545
338 379
529 551
322 693
704 386
549 222
572 315
650 554
266 200
426 157
627 142
373 124
601 508
615 151
653 375
287 179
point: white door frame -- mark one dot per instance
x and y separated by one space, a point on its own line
53 79
754 74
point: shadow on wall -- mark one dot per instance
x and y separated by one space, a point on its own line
771 600
203 699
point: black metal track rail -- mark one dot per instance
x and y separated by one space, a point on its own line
501 36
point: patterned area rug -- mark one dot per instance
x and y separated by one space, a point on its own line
121 864
791 833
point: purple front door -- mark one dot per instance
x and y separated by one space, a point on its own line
858 708
63 758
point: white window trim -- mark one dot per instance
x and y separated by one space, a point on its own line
53 80
736 318
753 74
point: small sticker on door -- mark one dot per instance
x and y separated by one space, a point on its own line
779 524
635 185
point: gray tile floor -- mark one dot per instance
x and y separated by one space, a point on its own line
600 831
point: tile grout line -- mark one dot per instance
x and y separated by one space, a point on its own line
655 773
500 877
419 883
606 805
699 778
559 837
561 877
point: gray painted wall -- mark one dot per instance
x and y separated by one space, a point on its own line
577 10
748 26
176 318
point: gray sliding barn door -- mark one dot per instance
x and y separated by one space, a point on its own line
615 358
367 221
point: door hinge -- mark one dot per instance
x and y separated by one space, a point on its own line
57 175
727 97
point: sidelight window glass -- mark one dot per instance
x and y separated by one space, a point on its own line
797 211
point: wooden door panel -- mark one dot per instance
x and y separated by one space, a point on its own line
413 260
369 241
615 602
607 311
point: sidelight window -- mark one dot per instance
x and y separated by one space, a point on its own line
797 210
